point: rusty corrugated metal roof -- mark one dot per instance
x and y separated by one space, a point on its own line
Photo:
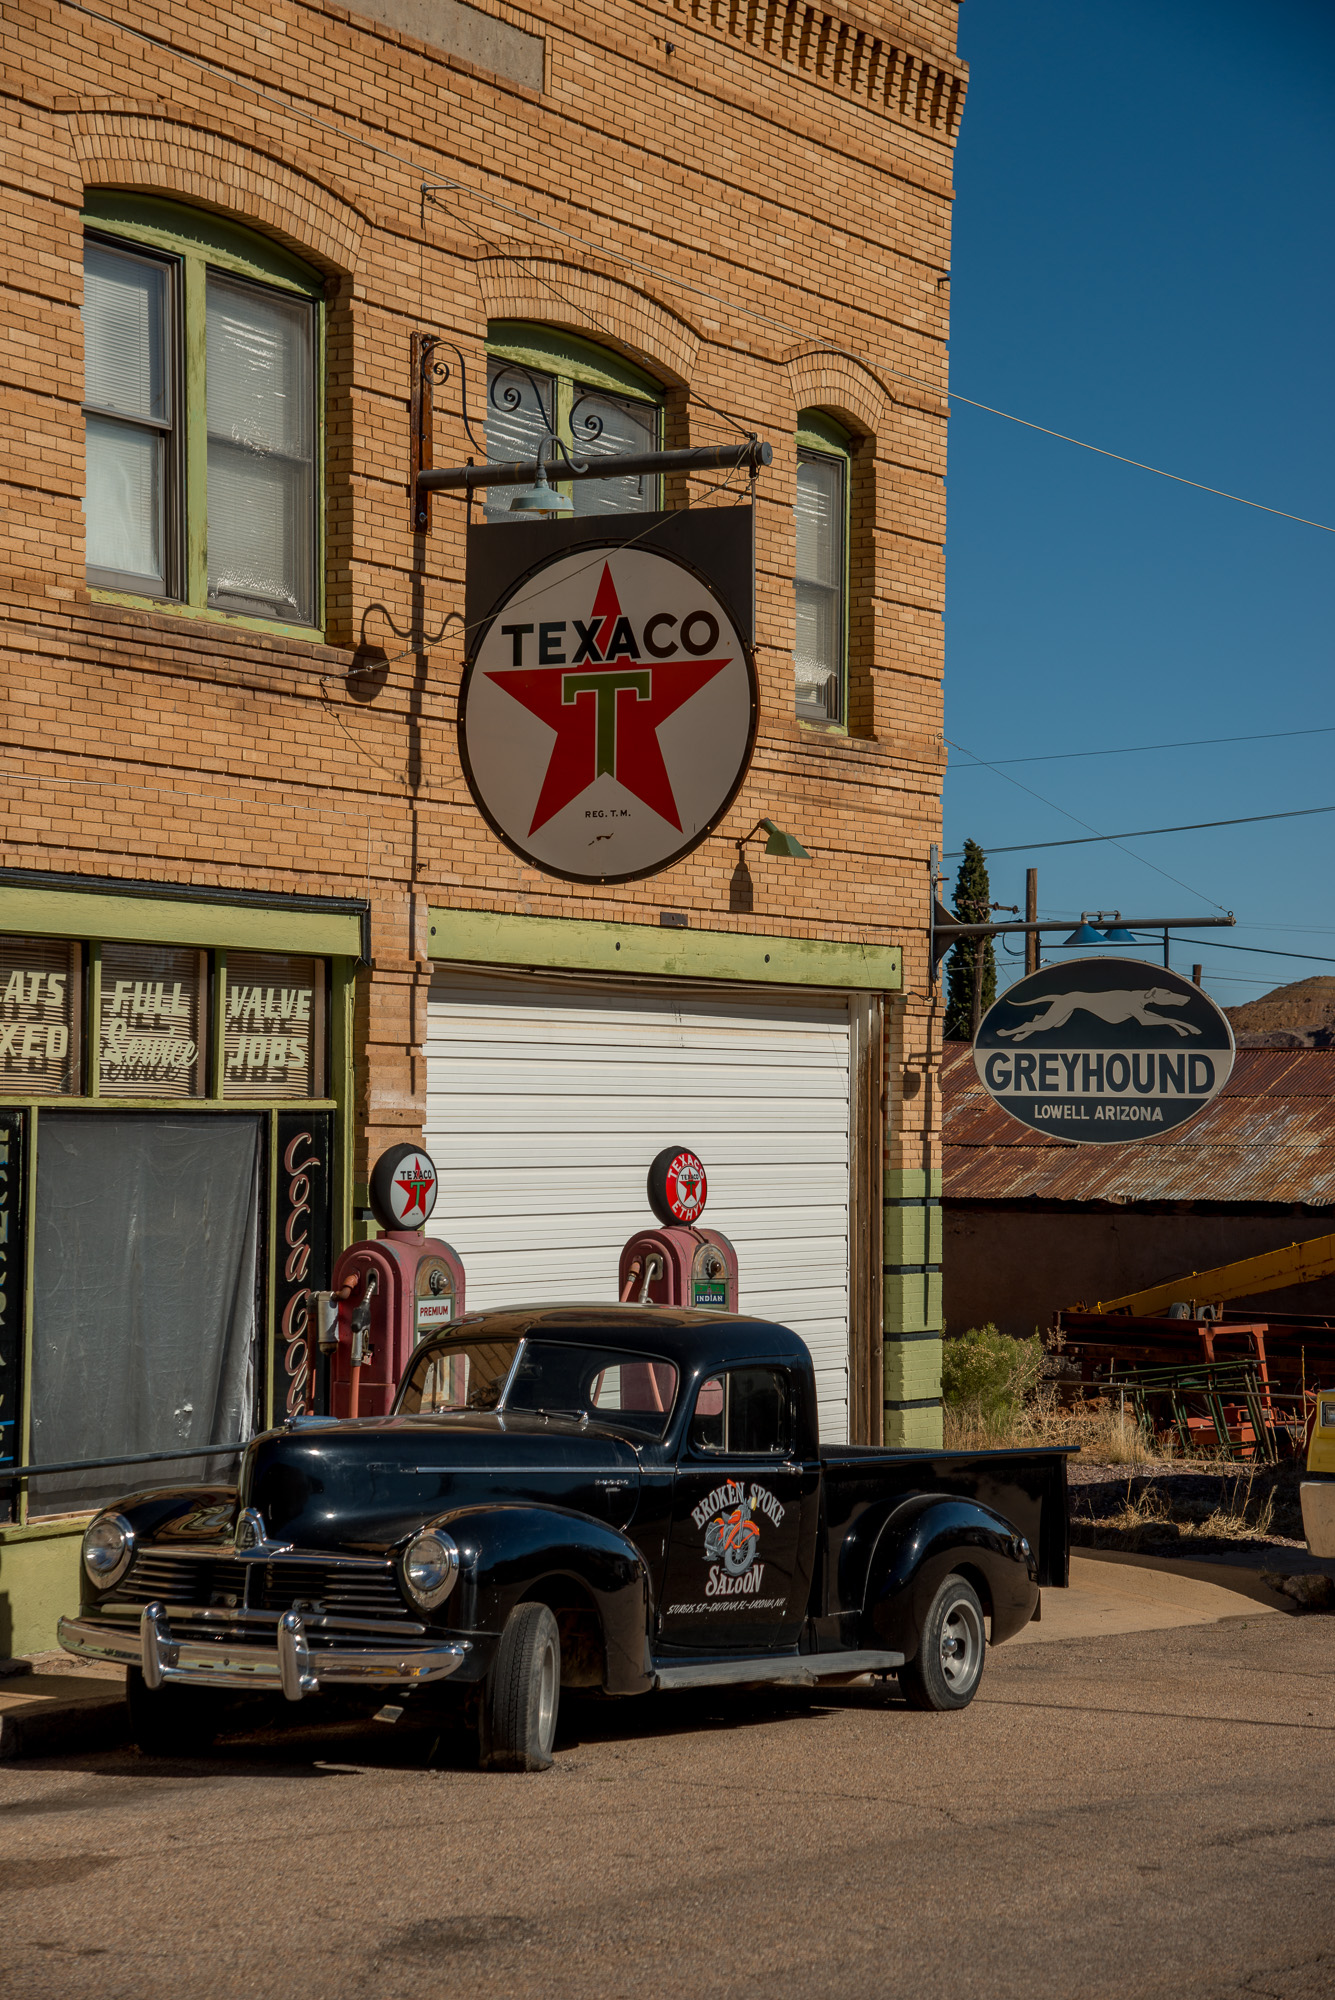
1268 1136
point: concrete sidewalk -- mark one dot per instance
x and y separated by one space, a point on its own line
1111 1592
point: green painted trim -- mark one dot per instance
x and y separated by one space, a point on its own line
176 226
111 1105
911 1184
195 434
271 1276
75 913
344 1083
312 634
558 353
218 1024
488 937
46 1530
93 1039
29 1292
817 432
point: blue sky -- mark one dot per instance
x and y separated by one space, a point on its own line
1143 258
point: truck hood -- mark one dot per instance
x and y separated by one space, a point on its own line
363 1485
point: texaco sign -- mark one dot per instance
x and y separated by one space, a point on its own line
608 713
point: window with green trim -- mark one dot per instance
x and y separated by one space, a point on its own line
541 383
203 413
821 579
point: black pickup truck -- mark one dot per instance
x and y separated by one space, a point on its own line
613 1498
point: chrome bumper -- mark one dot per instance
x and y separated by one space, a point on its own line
292 1665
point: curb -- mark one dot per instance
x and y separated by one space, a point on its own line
53 1728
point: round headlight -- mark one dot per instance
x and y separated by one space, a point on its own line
430 1568
108 1545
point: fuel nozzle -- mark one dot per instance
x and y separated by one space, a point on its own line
360 1321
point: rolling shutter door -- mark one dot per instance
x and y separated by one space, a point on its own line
546 1101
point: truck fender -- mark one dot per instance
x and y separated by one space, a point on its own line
921 1543
512 1552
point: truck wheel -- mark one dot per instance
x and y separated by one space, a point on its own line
523 1690
949 1662
171 1721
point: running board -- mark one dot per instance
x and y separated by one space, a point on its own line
788 1669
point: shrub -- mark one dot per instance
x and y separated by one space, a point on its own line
989 1375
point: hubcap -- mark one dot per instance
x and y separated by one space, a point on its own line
548 1687
961 1645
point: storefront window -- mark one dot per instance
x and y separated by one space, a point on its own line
274 1035
152 1021
41 1007
144 1296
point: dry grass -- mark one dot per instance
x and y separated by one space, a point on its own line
1146 1514
1104 1433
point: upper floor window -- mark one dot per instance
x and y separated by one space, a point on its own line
202 412
540 382
821 580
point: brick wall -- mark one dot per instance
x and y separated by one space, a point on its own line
751 199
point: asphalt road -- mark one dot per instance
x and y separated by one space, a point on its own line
1151 1814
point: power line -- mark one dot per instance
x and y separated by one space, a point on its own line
1262 950
672 280
1139 749
1143 832
1076 821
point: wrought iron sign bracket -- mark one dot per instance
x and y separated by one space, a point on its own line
427 371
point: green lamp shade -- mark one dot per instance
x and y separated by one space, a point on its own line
783 843
541 498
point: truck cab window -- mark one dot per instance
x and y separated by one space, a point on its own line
745 1410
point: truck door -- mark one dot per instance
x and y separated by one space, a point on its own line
743 1519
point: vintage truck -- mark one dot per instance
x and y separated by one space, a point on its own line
609 1498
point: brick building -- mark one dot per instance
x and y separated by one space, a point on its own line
253 924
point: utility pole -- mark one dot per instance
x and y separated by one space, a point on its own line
1196 972
1031 917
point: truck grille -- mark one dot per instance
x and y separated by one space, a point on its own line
226 1583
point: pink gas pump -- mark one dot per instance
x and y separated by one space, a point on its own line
678 1264
388 1294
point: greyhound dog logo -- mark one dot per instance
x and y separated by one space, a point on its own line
733 1539
1110 1007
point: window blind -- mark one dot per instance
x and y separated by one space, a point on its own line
261 451
127 395
521 406
820 584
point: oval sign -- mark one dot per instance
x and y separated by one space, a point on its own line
608 714
1104 1050
403 1187
678 1188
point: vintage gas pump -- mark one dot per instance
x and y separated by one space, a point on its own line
678 1264
390 1293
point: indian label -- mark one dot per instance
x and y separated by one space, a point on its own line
709 1294
151 1022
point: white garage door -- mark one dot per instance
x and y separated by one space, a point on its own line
546 1102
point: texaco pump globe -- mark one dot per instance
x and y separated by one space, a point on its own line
678 1188
607 714
403 1188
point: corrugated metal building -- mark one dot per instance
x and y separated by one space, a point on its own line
1033 1223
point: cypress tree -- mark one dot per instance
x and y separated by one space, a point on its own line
972 956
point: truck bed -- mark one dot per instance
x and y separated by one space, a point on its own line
1027 1487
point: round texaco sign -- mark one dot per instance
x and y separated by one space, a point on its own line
678 1188
608 714
403 1188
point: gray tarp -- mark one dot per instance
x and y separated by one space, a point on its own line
144 1295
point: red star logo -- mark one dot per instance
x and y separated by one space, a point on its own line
606 714
416 1186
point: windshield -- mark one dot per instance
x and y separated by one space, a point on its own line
553 1378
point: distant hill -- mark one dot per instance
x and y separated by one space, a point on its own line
1301 1016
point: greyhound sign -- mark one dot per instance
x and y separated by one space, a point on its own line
1104 1050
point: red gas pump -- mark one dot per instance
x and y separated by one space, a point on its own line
388 1294
679 1264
